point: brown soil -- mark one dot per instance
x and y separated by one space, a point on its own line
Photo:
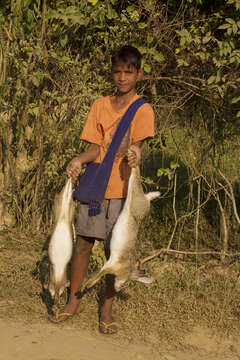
190 312
45 341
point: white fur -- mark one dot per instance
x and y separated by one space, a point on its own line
124 234
60 246
60 249
121 234
152 195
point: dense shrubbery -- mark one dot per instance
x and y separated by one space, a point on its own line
55 62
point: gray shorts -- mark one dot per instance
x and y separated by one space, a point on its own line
101 225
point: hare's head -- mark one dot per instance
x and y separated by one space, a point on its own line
122 276
119 284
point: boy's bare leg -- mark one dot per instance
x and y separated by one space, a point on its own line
106 310
79 268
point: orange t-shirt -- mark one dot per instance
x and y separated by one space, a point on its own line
99 129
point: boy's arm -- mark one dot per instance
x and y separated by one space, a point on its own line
142 128
75 166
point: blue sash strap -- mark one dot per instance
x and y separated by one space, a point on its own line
93 183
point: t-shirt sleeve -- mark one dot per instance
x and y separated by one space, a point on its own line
91 131
143 124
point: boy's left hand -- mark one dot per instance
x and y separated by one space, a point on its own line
134 156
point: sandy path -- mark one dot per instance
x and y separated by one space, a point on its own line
21 341
49 342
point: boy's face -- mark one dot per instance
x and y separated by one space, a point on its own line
125 77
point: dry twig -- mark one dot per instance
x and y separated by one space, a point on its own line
160 251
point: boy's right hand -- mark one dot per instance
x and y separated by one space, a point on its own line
134 156
74 168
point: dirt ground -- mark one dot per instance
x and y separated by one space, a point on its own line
188 313
46 341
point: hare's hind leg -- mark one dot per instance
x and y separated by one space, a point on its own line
92 281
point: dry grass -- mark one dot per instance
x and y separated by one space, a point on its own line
184 294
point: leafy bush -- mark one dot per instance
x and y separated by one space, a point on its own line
56 61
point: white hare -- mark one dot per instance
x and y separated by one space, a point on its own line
124 234
60 246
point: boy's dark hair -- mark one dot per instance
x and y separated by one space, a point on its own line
128 55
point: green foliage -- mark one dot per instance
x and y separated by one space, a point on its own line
210 47
169 172
55 60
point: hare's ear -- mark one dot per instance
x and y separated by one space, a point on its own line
145 280
138 275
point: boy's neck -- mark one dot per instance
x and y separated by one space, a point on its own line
121 100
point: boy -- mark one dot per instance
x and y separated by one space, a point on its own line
103 118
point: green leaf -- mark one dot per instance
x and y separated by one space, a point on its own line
142 25
235 99
235 28
238 114
174 165
27 3
160 172
224 26
186 36
142 49
211 79
220 91
158 56
182 62
148 4
206 39
59 99
134 15
219 75
34 111
130 9
147 68
53 55
36 80
149 181
111 13
65 58
149 39
230 21
64 40
93 2
18 84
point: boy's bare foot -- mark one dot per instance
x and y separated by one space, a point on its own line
68 311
